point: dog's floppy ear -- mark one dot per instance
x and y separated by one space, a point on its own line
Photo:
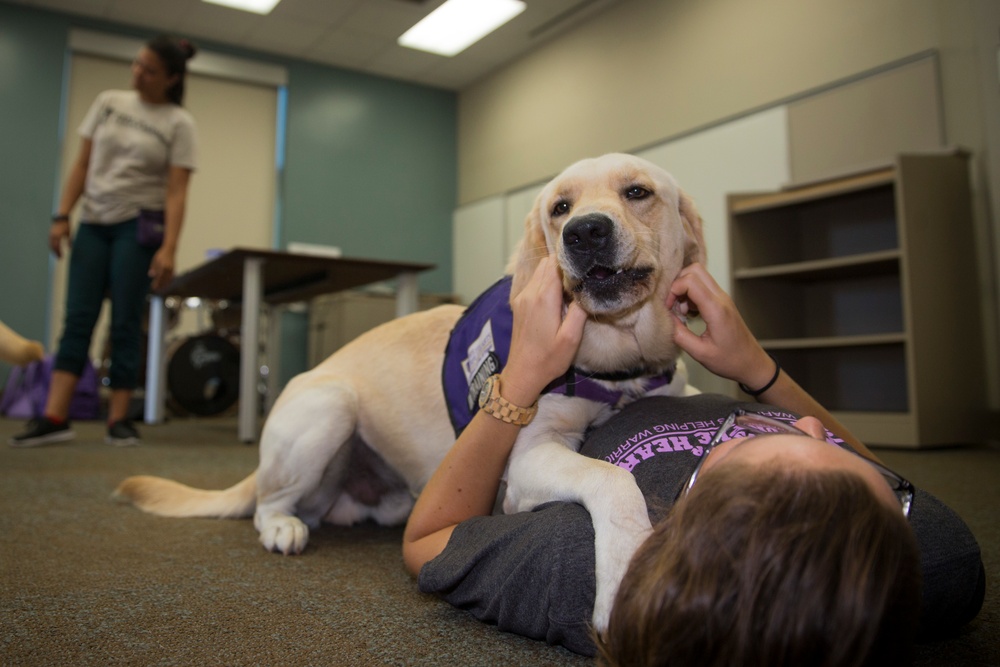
530 250
694 234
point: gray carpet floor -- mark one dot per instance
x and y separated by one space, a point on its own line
87 581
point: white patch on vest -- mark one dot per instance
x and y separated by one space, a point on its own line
478 351
480 363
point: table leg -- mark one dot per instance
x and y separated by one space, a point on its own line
273 346
407 294
249 341
155 377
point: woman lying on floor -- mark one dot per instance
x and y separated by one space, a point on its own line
795 548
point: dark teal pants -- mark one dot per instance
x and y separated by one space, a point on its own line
106 261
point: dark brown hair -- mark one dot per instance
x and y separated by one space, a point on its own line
174 54
780 566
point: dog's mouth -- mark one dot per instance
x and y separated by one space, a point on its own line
601 273
607 289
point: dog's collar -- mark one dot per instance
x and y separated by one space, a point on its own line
618 376
589 385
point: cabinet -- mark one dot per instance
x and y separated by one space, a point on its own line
864 288
338 318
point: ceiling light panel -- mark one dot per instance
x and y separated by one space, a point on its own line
255 6
457 24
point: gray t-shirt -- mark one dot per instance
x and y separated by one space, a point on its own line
532 573
134 146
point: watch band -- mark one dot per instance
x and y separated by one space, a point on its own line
492 403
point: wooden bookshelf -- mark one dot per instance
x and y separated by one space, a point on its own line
864 288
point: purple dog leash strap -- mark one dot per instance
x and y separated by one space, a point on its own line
592 386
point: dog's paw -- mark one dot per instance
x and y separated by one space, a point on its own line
614 548
602 612
284 534
517 499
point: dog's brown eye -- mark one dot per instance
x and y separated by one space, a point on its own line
561 208
637 192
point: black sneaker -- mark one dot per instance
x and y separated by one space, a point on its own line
122 433
42 431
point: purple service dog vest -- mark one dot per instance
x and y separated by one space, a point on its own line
479 345
477 348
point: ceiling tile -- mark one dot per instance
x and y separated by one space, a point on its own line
281 34
352 34
218 23
385 18
84 7
328 12
159 17
346 47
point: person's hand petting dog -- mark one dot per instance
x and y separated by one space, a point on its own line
726 347
544 341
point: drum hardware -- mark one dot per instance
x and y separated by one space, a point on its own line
203 369
203 375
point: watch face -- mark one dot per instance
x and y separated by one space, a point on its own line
484 393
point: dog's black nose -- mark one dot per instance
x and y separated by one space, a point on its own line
587 234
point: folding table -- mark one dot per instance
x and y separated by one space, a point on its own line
252 276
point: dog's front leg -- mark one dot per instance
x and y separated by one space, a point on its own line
543 471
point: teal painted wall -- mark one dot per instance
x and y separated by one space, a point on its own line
370 163
371 168
32 53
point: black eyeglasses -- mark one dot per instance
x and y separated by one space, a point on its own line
755 424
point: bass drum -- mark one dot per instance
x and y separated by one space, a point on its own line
203 375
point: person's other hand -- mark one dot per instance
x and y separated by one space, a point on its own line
726 347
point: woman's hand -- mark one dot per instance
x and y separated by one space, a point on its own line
73 188
161 269
727 347
58 231
544 342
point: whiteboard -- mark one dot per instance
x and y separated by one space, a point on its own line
743 155
478 247
519 205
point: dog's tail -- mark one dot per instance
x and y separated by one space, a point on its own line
165 497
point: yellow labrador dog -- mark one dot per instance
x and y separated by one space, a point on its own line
358 437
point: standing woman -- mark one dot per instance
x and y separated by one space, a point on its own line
136 156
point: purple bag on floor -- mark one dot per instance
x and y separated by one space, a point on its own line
28 387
